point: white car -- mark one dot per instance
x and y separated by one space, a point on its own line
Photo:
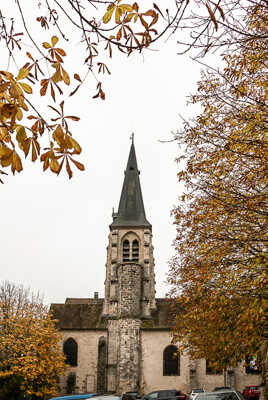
194 393
220 395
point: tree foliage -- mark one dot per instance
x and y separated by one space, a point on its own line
36 66
219 273
30 358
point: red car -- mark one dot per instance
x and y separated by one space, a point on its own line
251 393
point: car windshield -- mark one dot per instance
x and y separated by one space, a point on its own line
197 391
166 393
217 396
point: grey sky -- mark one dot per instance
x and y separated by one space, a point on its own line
54 232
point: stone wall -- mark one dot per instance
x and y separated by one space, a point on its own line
129 287
87 360
153 344
124 332
113 270
128 367
192 372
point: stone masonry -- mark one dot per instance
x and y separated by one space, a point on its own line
129 285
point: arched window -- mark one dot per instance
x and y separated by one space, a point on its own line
135 250
102 362
171 361
125 250
70 351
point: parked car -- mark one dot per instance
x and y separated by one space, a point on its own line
194 393
251 393
131 396
171 394
222 388
75 396
107 397
226 394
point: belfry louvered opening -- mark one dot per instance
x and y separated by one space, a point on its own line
135 250
126 250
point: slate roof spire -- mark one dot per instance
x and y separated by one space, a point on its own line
131 211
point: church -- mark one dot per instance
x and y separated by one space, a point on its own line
124 342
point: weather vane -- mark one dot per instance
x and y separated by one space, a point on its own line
132 137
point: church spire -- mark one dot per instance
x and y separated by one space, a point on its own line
131 211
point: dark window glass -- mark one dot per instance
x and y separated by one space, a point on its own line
125 250
135 250
171 361
70 351
212 371
166 393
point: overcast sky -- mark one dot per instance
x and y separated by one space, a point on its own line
54 231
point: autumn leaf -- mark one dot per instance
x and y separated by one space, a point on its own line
221 257
29 339
23 73
16 164
27 88
65 77
54 40
54 165
108 15
46 45
77 77
120 10
78 165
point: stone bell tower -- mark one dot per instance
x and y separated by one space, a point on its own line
129 284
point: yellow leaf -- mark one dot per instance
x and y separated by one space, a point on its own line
75 145
54 165
54 40
108 15
58 135
120 10
23 72
46 45
57 77
65 76
118 14
7 158
16 163
19 114
125 7
5 152
27 88
21 134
